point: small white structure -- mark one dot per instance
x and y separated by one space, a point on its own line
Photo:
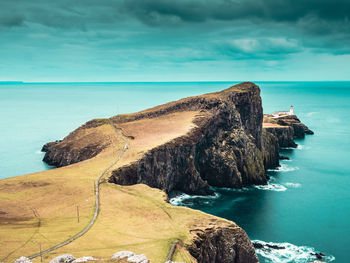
278 114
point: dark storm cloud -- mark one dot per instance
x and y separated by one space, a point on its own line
267 10
60 13
138 34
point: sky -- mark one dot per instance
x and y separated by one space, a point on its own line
174 40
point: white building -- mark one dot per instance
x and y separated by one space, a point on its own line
278 114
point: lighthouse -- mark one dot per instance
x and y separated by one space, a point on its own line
291 110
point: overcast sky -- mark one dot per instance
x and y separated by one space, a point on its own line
174 40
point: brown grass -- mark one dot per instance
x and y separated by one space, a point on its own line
41 208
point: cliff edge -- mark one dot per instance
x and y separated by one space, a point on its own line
224 148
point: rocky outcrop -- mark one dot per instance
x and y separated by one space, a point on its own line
63 259
23 260
224 150
286 129
299 128
76 147
271 150
224 245
284 134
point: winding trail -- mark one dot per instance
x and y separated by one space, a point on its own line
97 200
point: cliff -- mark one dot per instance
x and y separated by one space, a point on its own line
222 244
286 129
223 149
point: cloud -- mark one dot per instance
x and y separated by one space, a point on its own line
261 47
167 34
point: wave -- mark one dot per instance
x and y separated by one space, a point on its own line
293 185
288 253
284 168
179 199
39 152
303 147
271 187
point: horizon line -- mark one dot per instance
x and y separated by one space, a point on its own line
190 81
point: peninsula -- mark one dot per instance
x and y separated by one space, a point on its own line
111 190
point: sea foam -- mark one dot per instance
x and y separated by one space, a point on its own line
293 185
288 253
271 187
284 168
179 199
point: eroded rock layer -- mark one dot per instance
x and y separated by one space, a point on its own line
224 245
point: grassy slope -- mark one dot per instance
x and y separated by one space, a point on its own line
41 208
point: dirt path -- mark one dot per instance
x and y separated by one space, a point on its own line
97 200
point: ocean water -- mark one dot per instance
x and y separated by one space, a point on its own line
306 205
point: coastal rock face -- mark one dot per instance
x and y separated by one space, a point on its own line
76 147
300 129
224 150
224 245
271 150
286 129
284 134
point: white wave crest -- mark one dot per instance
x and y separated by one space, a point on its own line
288 253
180 198
303 147
39 152
293 185
284 168
271 187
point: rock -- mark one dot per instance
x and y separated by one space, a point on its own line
258 245
123 254
138 259
299 128
23 260
274 246
285 135
318 255
63 259
281 157
270 150
84 259
225 150
223 245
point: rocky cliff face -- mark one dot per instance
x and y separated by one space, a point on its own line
225 149
286 129
224 245
271 150
77 146
284 134
299 128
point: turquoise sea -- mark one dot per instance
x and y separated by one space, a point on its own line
307 202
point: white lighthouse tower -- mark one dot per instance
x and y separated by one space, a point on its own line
291 110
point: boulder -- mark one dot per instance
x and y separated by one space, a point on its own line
138 259
84 259
122 254
63 259
22 260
